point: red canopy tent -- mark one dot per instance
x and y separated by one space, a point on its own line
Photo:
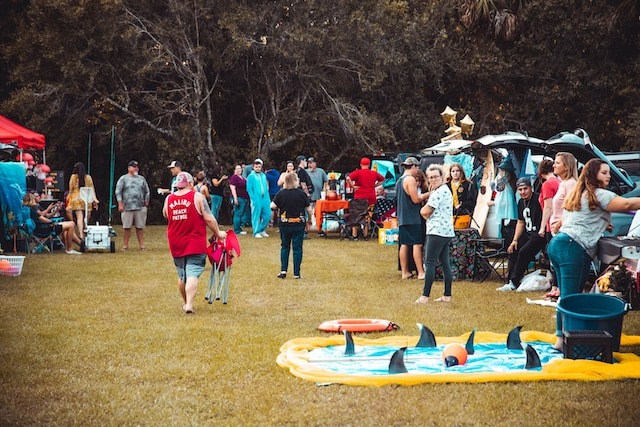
14 134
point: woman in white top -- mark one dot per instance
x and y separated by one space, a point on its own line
438 211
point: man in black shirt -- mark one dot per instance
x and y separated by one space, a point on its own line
305 180
526 241
306 185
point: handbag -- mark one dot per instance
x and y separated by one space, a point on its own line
461 221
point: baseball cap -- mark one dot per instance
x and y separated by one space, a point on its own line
410 161
175 164
134 164
258 161
183 179
365 161
300 157
311 159
524 181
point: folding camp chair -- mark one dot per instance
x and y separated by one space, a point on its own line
492 256
221 253
41 241
359 216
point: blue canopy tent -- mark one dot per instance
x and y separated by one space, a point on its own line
12 190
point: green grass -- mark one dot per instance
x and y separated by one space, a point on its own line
100 339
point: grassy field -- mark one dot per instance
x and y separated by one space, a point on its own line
100 339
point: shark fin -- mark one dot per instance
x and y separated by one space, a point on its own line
513 340
427 339
349 349
396 364
533 360
469 345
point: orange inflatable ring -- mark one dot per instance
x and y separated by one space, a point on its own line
357 325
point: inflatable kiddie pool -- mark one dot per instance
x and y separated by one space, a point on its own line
325 360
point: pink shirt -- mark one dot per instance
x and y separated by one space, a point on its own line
564 189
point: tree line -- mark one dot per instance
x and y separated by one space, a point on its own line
215 82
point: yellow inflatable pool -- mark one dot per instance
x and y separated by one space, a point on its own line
301 357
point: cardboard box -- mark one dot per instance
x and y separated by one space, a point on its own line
388 236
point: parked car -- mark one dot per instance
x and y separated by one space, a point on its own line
628 162
578 143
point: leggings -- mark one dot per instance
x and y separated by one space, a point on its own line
437 249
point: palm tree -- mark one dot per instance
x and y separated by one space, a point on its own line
501 16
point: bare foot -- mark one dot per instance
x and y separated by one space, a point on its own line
558 345
443 299
422 300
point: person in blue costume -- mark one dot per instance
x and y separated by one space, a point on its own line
272 179
258 189
505 199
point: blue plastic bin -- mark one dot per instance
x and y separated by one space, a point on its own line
593 312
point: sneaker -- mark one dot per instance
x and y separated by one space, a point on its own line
282 275
242 232
258 236
507 287
73 252
264 234
297 277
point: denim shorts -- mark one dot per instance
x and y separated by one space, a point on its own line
190 266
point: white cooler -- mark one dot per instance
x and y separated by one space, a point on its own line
98 238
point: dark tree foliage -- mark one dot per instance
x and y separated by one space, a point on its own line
214 82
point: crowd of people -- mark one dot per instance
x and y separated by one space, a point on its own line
259 198
564 219
66 218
